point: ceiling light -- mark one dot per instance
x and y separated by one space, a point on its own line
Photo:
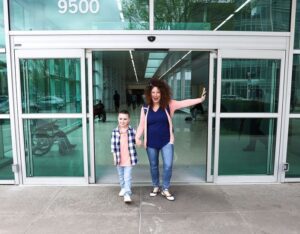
220 25
133 65
175 64
153 63
242 6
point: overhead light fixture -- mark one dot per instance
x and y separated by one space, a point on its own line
175 64
242 6
133 65
230 16
154 61
220 25
119 4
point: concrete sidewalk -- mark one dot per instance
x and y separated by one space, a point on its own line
197 209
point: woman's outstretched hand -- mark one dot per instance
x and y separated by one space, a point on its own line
203 95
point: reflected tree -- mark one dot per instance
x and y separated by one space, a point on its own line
136 12
257 15
191 14
34 79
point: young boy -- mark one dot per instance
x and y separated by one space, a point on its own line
124 152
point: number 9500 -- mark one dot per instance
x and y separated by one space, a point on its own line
81 6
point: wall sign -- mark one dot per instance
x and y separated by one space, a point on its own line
78 6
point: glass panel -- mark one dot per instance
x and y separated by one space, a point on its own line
250 85
236 15
87 110
79 15
50 85
213 145
293 150
214 85
297 27
295 92
2 34
88 148
4 102
254 146
86 86
177 90
53 147
6 156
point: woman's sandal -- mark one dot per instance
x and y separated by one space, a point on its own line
154 192
168 195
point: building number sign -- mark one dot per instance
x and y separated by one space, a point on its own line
78 6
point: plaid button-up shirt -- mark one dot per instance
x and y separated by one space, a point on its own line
115 145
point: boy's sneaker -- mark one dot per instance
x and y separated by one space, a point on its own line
127 198
122 192
154 192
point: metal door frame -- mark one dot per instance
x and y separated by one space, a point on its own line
249 54
47 54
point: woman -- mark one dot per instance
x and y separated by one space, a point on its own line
156 123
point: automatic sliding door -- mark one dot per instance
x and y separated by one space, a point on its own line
248 120
51 95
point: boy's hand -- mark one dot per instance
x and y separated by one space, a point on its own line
138 142
115 159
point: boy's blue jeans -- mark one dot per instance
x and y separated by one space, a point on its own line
125 178
167 156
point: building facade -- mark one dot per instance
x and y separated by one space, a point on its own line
60 58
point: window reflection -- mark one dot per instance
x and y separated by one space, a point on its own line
6 156
53 147
293 151
250 85
2 34
4 101
50 85
187 77
297 27
254 146
295 91
236 15
79 15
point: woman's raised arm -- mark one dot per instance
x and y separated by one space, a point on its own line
175 105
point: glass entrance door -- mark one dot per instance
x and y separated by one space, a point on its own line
248 106
128 72
51 116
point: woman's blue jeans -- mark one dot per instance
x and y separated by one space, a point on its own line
167 156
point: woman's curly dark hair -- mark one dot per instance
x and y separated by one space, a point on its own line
165 92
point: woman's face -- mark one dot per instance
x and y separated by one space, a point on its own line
155 95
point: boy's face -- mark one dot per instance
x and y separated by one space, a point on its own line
123 120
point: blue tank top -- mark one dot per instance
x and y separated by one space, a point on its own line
158 129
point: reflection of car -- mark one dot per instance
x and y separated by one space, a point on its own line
4 104
33 107
50 102
232 97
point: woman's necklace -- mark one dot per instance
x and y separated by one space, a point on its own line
155 108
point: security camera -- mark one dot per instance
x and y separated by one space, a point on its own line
151 38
